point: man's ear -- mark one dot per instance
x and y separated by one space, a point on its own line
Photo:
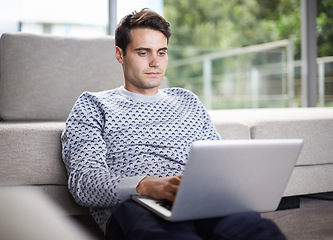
120 55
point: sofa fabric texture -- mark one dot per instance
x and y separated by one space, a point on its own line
314 125
31 153
42 76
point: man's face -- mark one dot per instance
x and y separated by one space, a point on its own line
145 61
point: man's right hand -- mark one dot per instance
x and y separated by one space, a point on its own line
159 187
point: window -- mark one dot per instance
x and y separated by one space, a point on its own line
69 17
232 54
60 17
219 50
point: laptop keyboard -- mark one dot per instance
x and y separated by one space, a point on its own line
165 204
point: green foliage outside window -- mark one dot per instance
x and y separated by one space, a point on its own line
200 27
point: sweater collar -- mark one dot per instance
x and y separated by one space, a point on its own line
140 97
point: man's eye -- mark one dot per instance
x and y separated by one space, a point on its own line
162 53
142 53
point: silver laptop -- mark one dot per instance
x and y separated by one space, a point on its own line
230 176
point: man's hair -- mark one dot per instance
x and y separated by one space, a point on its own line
143 19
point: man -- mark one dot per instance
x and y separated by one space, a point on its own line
136 139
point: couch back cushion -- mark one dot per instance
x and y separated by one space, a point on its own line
41 76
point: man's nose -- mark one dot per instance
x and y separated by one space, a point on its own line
154 62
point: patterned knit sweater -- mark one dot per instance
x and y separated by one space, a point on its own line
113 139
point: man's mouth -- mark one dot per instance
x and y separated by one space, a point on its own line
153 73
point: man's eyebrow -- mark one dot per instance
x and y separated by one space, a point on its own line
142 49
149 49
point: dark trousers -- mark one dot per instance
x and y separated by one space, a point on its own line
132 221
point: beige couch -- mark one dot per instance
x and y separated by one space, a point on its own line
41 77
314 169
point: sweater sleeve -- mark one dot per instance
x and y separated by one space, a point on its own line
84 153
